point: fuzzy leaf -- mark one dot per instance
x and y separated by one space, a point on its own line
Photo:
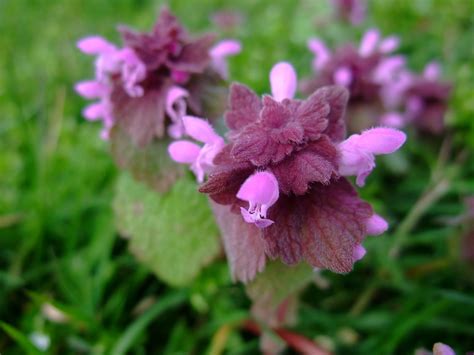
142 118
244 107
315 163
337 98
150 164
173 234
322 227
242 242
194 56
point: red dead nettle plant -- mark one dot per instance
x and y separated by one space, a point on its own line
283 170
277 181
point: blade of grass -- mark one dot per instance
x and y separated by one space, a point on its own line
130 335
21 339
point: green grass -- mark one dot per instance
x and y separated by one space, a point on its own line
58 241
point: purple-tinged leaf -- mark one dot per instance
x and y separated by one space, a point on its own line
317 162
244 107
242 243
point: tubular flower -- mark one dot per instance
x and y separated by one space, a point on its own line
219 54
421 100
370 71
426 100
281 170
261 191
359 150
154 76
199 158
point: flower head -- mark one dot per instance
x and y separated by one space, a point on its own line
156 75
364 70
426 100
370 72
281 171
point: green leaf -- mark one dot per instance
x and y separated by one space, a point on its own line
173 234
150 163
276 284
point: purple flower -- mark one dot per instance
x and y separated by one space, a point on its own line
176 110
359 150
219 54
107 61
426 100
155 76
364 70
283 81
442 349
322 55
371 73
261 191
281 171
199 158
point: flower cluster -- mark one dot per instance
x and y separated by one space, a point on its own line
379 81
420 100
153 76
283 170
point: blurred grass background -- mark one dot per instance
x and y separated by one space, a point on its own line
57 238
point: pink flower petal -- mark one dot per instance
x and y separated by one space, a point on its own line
369 42
389 44
94 112
393 119
174 94
382 140
388 69
91 89
283 81
176 109
219 53
359 252
322 54
260 188
184 152
95 45
255 219
357 153
376 225
225 48
200 130
442 349
432 71
343 76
